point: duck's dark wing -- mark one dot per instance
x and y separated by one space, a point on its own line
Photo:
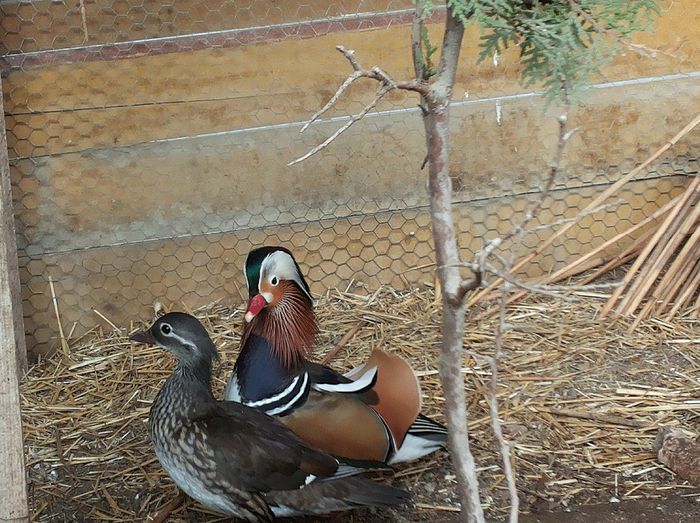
257 452
325 379
322 497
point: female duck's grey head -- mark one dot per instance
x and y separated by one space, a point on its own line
182 335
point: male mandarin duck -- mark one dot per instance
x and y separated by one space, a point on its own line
370 413
234 459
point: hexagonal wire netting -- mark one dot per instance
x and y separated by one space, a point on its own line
148 145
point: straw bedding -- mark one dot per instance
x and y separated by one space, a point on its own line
581 400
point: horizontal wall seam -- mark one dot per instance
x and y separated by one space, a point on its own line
225 38
694 75
422 208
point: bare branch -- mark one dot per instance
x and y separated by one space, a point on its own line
347 83
555 291
359 116
554 170
418 61
436 123
520 228
530 287
493 409
449 57
350 55
420 64
377 74
424 162
386 84
469 285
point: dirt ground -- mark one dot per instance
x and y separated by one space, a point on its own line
671 510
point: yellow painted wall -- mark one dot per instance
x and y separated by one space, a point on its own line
112 160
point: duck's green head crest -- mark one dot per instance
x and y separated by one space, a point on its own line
253 264
273 263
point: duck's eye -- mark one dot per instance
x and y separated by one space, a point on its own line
274 280
166 329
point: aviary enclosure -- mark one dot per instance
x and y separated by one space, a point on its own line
147 149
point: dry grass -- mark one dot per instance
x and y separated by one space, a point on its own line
581 398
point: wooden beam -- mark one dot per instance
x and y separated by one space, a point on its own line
13 355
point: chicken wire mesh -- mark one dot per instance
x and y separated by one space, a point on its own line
148 144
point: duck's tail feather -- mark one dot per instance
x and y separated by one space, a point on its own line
352 467
424 436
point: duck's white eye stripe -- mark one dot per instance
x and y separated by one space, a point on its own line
184 342
280 265
266 266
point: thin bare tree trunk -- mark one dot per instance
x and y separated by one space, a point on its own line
435 103
436 121
451 359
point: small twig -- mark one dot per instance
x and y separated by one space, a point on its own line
554 169
417 52
481 259
469 285
64 343
596 416
547 289
350 55
493 408
359 116
169 508
529 287
425 161
387 84
83 21
347 83
342 343
116 329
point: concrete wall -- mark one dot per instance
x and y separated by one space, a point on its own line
147 170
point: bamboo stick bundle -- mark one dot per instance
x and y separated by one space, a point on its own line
696 307
687 294
675 277
621 259
670 239
657 252
600 199
579 265
664 272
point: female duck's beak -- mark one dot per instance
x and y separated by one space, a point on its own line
255 305
143 337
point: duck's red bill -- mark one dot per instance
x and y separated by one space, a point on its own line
255 305
143 337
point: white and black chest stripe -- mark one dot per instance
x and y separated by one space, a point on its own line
279 404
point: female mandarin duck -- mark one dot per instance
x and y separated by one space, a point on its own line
370 413
234 459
